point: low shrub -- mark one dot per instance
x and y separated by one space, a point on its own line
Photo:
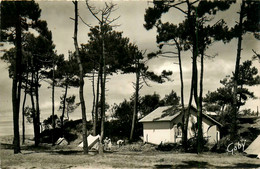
221 146
193 145
168 147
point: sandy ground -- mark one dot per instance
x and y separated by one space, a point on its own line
129 156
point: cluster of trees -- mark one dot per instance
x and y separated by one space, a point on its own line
221 100
33 59
27 59
196 33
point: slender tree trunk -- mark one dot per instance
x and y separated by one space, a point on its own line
186 119
234 106
16 140
37 115
199 118
103 90
198 99
23 114
136 98
97 104
52 98
15 101
63 109
94 97
184 136
102 110
19 89
193 81
24 100
184 113
82 102
181 74
33 106
19 86
195 87
195 56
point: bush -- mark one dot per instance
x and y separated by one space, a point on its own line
221 146
192 145
115 129
168 147
71 131
46 135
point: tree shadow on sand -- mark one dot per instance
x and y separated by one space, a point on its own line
67 152
243 165
202 164
194 164
161 166
6 146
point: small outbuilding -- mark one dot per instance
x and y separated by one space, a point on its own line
163 125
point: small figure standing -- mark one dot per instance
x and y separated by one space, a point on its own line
106 141
109 145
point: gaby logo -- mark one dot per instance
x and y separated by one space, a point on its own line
232 147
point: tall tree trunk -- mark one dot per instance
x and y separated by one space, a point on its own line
186 118
82 102
52 98
195 87
63 109
23 114
15 101
16 140
198 99
33 105
184 113
103 90
97 105
24 100
235 105
136 98
199 118
193 81
181 74
195 56
37 115
94 97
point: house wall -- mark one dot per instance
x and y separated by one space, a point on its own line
213 134
157 132
210 130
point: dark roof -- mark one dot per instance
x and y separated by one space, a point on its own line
159 115
168 113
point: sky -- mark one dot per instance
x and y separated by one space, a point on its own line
119 87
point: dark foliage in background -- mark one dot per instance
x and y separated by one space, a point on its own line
72 131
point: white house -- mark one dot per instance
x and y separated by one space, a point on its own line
164 125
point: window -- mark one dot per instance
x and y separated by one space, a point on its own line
178 132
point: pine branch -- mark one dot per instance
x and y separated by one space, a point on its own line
84 22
